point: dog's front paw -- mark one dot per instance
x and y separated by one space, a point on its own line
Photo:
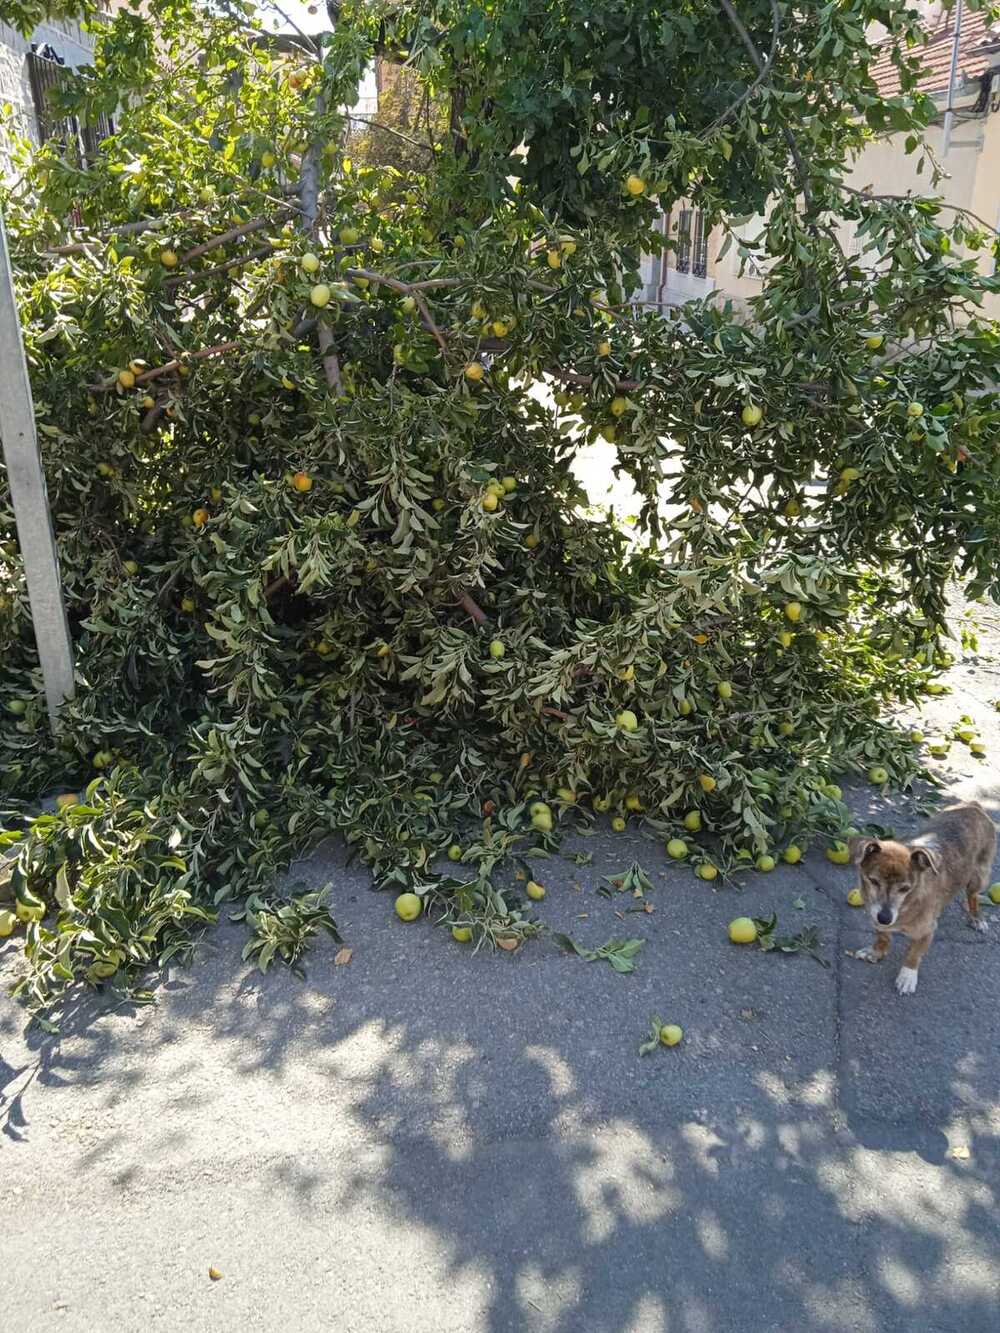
868 955
906 981
977 923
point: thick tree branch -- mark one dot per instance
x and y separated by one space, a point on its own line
233 234
126 229
310 224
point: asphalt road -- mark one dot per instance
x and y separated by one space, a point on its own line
426 1140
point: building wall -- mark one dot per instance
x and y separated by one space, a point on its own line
972 181
68 39
972 172
985 198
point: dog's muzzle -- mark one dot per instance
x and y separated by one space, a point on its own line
884 917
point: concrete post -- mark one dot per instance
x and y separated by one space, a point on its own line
31 506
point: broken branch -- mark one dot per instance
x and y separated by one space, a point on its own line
331 362
157 371
238 262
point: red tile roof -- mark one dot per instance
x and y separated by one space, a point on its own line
979 48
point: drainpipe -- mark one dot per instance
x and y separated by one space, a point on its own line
949 115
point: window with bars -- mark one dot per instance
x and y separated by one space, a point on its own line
47 75
692 243
683 264
699 250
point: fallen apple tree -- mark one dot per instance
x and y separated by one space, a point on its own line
327 563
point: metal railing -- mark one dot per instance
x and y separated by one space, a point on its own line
48 76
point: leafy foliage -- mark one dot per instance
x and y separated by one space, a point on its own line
633 881
283 928
298 502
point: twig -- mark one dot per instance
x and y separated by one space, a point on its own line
749 91
574 377
413 289
151 417
162 596
743 35
398 285
157 371
428 320
150 224
377 125
276 585
473 608
915 199
556 712
126 229
309 41
199 355
786 133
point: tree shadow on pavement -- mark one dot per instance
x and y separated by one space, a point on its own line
818 1154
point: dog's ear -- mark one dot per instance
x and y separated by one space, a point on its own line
924 859
862 848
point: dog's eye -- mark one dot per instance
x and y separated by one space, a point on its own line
903 888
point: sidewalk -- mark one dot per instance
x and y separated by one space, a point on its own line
423 1140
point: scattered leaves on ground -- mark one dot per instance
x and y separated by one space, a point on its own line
619 953
806 941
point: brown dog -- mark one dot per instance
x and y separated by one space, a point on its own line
906 885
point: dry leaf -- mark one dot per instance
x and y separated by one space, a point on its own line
519 874
343 956
214 1274
961 1151
647 907
508 942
